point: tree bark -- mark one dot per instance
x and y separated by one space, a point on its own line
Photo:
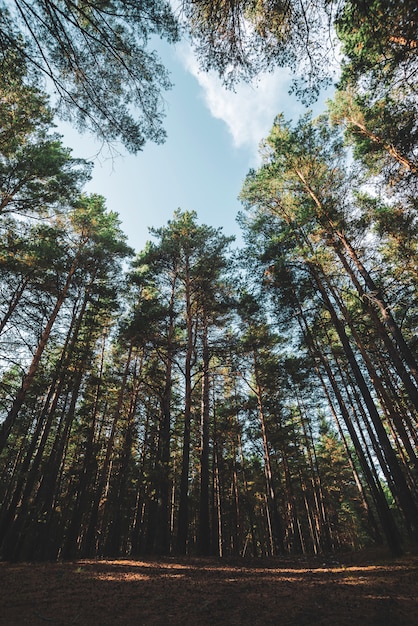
204 535
33 368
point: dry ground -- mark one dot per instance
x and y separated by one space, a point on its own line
358 590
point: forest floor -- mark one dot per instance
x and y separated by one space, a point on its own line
356 589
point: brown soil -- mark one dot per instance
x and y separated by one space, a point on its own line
357 590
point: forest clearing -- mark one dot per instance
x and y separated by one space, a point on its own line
362 588
205 431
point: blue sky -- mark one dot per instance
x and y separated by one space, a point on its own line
212 141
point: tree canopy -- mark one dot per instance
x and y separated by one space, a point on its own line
96 58
241 38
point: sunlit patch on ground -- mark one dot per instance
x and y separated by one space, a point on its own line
205 592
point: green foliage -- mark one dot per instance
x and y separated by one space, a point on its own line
241 39
37 173
193 394
376 100
97 56
379 41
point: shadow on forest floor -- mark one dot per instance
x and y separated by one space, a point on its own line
352 590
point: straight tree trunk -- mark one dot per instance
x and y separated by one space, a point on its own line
183 514
374 295
391 348
89 541
373 527
33 367
275 523
204 546
384 513
88 472
408 505
14 301
385 399
16 512
163 454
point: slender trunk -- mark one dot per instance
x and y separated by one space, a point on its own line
384 513
163 490
409 507
44 544
118 501
391 348
138 524
404 410
275 523
324 534
88 472
204 527
313 530
384 397
388 147
217 495
237 523
49 536
29 470
296 544
89 542
32 456
250 510
183 515
375 295
33 368
14 302
372 524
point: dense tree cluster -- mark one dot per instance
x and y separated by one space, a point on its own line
195 399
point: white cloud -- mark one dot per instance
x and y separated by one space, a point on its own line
249 111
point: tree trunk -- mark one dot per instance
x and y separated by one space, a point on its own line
374 295
275 523
204 546
408 505
14 302
33 368
183 517
89 541
163 490
385 516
